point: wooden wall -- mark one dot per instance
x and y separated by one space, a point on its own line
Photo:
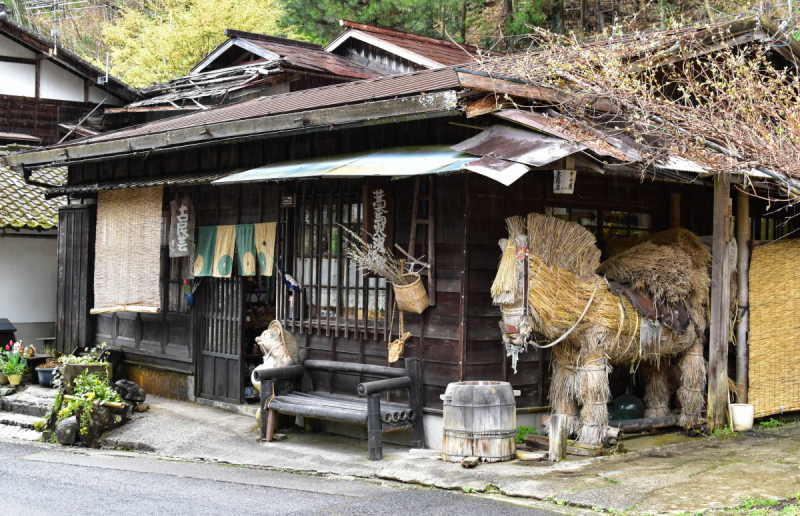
39 117
74 293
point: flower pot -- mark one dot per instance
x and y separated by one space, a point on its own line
742 414
189 299
46 376
72 371
14 379
3 378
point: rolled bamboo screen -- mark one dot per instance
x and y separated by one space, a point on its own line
775 328
127 263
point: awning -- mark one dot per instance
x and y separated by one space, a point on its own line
519 145
500 170
394 162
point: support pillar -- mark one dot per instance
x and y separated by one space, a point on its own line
720 305
675 211
743 328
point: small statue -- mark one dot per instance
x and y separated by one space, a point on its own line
29 352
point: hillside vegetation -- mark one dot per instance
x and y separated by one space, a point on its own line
151 41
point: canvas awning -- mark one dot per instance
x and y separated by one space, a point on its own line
394 162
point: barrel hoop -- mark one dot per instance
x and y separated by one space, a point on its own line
464 434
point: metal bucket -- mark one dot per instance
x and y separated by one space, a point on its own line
480 420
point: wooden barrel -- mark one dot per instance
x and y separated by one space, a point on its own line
480 420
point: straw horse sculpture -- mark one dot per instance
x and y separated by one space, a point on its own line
646 307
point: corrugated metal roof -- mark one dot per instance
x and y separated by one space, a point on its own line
24 206
506 172
393 162
142 182
520 145
347 93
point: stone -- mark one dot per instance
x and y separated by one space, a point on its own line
279 437
130 391
67 431
7 391
47 435
142 407
102 418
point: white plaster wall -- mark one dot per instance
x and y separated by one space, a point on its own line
17 79
28 280
96 95
57 83
10 48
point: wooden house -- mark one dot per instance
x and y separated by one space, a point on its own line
46 90
310 161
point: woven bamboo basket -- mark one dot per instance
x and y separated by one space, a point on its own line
412 297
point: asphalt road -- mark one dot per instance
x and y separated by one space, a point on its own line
42 480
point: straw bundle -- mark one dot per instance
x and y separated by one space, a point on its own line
564 244
657 390
506 285
594 392
374 258
564 386
691 393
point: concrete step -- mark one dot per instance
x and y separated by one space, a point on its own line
18 432
33 401
20 420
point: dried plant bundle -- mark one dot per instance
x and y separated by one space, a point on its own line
373 258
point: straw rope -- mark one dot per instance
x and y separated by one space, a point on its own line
775 328
128 250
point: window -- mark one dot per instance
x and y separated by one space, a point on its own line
335 294
614 224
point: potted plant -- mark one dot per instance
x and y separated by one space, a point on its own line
74 366
3 377
188 291
46 373
14 365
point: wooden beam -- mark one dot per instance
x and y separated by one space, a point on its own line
743 327
773 29
515 88
38 64
720 305
675 211
18 60
558 437
428 105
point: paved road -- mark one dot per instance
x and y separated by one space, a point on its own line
42 480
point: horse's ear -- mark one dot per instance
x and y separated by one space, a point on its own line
502 243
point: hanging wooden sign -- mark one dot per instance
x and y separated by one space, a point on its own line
563 181
378 212
181 228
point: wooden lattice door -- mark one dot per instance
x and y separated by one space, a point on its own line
219 324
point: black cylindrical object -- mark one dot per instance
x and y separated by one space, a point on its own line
352 404
367 388
385 405
350 367
320 412
374 427
273 373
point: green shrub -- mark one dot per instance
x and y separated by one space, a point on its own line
522 431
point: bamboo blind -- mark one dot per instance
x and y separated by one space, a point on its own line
128 251
775 328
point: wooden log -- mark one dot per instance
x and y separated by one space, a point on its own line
320 412
378 386
350 367
542 442
720 305
362 401
388 415
262 374
374 427
647 423
613 433
415 402
558 437
470 462
743 277
270 425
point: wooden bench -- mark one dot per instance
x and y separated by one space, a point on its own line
280 394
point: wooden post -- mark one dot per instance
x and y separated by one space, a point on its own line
743 328
374 427
415 402
675 211
599 14
266 392
720 305
558 437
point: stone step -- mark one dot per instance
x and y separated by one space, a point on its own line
20 420
33 401
17 432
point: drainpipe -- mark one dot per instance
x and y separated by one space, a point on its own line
743 328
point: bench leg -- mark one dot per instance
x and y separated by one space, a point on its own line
266 392
374 427
270 425
415 402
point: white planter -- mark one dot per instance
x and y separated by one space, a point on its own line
742 414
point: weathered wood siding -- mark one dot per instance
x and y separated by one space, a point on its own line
39 117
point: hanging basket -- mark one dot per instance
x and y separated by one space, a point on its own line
413 297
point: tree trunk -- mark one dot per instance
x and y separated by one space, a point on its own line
464 22
710 11
583 15
601 22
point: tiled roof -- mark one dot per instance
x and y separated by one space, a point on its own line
23 206
316 60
